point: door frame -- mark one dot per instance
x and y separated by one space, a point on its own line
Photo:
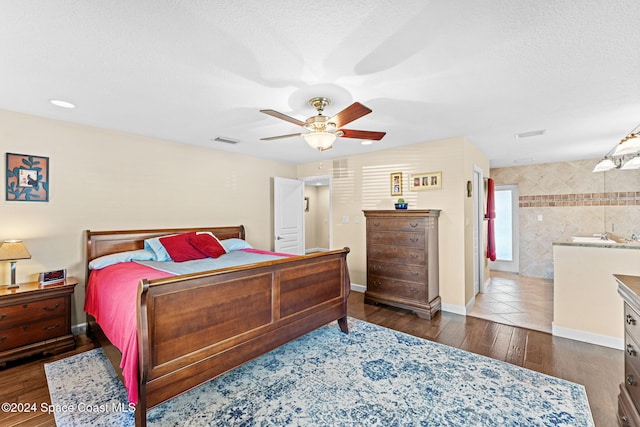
512 266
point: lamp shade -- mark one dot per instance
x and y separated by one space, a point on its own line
629 145
13 250
319 140
604 165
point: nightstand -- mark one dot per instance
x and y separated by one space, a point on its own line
35 319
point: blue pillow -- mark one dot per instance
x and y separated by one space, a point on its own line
156 247
107 260
235 244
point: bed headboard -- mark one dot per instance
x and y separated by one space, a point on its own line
101 243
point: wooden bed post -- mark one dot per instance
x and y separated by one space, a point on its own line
143 354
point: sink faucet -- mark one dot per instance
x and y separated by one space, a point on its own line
602 236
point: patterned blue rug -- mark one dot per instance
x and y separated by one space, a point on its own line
372 377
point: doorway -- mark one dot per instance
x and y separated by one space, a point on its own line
317 213
507 229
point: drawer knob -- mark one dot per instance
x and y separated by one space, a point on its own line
630 380
2 339
45 308
3 316
630 320
48 328
630 350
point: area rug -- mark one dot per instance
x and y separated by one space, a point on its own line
371 377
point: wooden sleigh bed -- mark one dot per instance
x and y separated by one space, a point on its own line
194 327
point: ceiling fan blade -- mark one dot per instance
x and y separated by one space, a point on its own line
362 134
278 115
349 114
280 137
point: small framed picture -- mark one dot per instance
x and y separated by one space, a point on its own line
396 184
27 178
426 181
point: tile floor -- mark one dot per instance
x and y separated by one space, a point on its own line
516 300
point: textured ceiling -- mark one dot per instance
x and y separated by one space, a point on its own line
191 71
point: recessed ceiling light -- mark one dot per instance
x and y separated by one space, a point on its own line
61 103
529 133
366 142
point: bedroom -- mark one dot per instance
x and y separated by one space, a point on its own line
103 178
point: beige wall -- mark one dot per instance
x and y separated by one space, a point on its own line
593 203
104 180
363 182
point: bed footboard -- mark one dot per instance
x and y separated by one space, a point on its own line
196 327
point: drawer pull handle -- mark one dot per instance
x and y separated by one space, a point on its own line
2 339
376 283
413 225
630 380
45 308
377 252
415 273
376 237
630 320
414 256
48 328
414 239
3 316
630 350
376 224
415 290
377 267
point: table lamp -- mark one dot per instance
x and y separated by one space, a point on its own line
13 250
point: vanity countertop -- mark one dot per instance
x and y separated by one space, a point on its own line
603 244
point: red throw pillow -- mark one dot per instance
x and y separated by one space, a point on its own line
179 248
208 244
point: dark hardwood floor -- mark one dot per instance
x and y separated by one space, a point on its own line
599 369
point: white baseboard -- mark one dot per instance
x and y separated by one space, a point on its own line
453 308
574 334
79 329
358 288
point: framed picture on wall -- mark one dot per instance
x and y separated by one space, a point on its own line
27 178
426 181
396 184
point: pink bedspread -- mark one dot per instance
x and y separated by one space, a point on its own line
113 304
112 300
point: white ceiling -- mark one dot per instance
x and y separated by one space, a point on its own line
190 71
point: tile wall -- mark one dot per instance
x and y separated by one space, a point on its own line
561 200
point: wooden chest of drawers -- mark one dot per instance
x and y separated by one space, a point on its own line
35 319
402 259
629 397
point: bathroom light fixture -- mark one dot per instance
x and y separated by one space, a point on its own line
625 155
13 250
319 140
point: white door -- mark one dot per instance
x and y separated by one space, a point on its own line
288 215
507 229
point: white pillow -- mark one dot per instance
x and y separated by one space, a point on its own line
107 260
235 244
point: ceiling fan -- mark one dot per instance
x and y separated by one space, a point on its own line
323 130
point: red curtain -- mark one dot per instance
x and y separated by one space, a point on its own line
490 215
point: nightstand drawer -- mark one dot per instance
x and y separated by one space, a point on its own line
32 332
632 323
31 311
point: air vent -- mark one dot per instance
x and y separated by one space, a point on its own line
226 140
529 134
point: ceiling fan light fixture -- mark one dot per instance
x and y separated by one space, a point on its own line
630 144
604 165
319 140
633 163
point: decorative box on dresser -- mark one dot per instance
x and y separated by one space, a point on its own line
402 259
35 319
629 397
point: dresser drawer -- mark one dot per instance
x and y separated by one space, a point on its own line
387 286
403 254
411 273
414 240
32 311
632 323
396 224
33 332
